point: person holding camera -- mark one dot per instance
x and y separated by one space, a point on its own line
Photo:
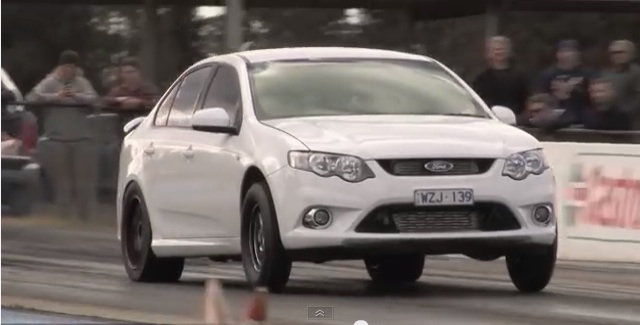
70 153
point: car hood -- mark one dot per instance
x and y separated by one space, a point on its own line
385 136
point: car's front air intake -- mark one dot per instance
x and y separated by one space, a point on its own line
436 167
436 221
403 218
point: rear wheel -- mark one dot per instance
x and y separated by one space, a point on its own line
395 268
263 257
531 271
141 264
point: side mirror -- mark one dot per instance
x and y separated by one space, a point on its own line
131 125
504 114
215 120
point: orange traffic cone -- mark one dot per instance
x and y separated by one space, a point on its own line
215 309
257 310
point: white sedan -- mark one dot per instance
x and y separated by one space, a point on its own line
319 154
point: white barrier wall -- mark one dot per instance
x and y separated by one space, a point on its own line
598 201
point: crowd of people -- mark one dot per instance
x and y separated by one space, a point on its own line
567 94
70 153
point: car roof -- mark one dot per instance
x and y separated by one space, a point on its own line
301 53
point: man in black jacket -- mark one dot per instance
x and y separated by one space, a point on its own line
605 113
567 82
501 84
625 76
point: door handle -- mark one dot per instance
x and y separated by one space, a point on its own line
188 153
149 150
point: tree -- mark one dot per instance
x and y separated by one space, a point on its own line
292 27
40 33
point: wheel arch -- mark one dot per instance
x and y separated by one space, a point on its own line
127 204
252 175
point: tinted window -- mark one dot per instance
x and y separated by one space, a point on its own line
224 91
187 97
163 110
358 87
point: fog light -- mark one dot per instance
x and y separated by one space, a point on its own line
542 215
322 217
317 218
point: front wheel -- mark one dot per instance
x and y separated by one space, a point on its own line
531 271
395 268
264 259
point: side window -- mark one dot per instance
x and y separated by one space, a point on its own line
163 111
224 91
187 97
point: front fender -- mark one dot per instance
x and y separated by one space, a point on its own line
271 148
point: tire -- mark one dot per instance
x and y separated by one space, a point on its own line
141 264
395 268
264 259
531 271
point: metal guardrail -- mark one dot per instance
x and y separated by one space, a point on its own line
578 134
573 134
100 105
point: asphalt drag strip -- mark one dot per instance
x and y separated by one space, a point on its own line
81 273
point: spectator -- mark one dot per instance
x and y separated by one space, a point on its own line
10 145
501 84
16 121
605 112
540 112
109 77
625 76
567 82
70 158
132 93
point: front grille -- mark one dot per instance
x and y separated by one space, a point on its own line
416 167
406 218
436 221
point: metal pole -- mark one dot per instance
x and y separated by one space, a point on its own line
491 20
234 24
150 42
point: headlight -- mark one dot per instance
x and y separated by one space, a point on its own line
522 164
349 168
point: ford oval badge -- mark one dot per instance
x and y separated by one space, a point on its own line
438 166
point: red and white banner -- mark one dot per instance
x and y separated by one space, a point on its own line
598 201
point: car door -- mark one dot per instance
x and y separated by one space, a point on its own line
173 146
216 171
151 141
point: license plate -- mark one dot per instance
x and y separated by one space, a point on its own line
443 197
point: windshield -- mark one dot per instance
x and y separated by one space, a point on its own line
283 89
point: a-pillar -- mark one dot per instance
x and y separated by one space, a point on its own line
149 48
234 24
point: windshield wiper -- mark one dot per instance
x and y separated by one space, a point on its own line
464 114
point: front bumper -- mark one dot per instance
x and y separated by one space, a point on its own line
295 191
